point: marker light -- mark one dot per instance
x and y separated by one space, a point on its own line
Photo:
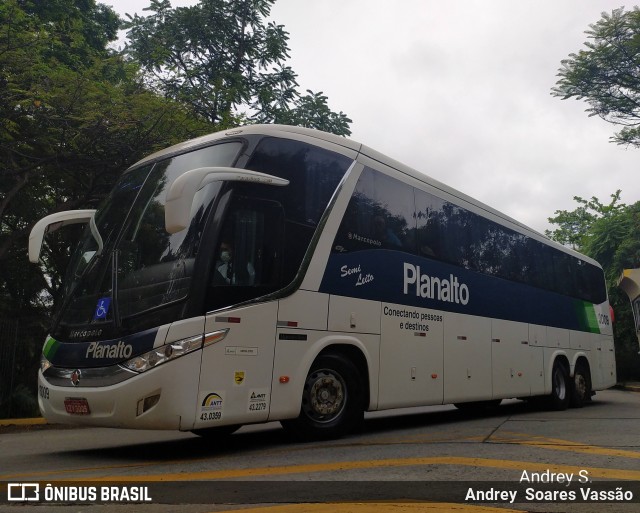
168 352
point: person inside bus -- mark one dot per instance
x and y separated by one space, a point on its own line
385 234
226 271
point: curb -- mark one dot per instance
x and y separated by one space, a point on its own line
631 387
23 422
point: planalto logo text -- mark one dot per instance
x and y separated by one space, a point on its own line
119 350
432 287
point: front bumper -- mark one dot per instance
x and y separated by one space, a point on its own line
162 398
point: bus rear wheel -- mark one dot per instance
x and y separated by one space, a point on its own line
560 387
581 392
332 400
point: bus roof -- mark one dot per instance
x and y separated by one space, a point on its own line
273 130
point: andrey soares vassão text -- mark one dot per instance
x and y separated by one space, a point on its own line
586 493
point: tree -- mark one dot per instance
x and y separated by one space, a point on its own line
607 74
608 233
220 58
575 228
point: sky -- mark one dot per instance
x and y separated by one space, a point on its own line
460 90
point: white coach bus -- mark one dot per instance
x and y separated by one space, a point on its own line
278 273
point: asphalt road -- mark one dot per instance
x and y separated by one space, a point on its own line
420 459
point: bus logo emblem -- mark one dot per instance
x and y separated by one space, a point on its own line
75 377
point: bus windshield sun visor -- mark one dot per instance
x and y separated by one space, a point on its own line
177 210
54 221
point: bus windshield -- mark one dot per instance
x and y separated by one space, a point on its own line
148 266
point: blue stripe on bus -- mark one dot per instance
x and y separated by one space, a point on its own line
401 278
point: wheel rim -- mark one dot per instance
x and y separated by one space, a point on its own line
580 385
559 384
325 395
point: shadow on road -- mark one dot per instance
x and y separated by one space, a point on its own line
273 437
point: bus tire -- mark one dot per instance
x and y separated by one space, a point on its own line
581 392
560 387
332 402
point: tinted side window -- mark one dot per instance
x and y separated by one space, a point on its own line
313 174
380 215
432 222
385 213
248 259
455 235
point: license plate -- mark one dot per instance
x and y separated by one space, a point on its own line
75 406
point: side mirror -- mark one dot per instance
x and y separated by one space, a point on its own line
180 196
54 221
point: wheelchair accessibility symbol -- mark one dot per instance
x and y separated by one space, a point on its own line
102 308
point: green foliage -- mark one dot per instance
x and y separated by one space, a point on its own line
593 228
605 74
21 404
311 111
76 30
222 59
608 233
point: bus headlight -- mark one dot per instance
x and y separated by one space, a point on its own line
171 351
163 354
44 363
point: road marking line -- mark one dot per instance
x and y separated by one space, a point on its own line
374 507
519 466
417 439
564 445
508 437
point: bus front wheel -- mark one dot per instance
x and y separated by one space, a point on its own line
332 400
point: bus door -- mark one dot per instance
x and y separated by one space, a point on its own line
237 360
467 358
411 356
514 367
604 371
